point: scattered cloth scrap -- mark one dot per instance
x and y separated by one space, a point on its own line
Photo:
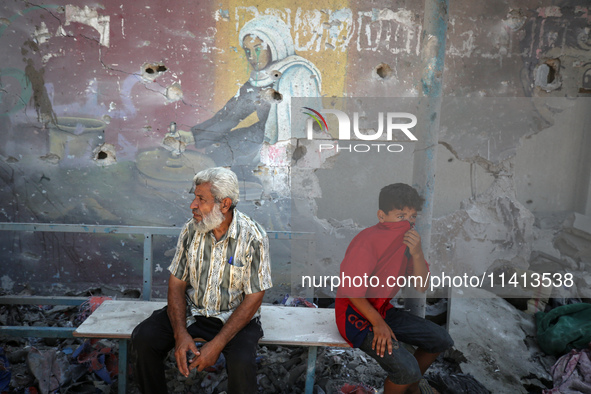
564 328
572 373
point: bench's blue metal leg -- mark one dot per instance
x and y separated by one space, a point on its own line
122 379
312 352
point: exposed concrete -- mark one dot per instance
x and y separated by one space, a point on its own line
498 342
492 228
106 63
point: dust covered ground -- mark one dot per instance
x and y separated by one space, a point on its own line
75 365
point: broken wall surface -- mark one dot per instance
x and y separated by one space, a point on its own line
98 101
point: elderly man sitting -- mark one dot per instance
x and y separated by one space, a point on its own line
219 275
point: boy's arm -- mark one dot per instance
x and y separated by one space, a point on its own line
382 332
412 239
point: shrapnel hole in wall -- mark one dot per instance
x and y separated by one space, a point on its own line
277 96
384 71
271 95
151 71
547 75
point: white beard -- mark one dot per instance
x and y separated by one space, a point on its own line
210 221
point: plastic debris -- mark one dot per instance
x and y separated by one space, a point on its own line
297 301
572 372
89 306
51 369
98 358
356 388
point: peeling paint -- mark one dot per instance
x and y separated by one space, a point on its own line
90 17
174 92
41 34
552 11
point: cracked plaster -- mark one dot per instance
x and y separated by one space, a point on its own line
487 148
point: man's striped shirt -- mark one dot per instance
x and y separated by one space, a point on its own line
220 273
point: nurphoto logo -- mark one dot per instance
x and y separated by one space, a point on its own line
396 123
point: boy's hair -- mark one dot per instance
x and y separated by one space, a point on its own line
399 196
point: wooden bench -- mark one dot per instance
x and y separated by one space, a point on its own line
282 325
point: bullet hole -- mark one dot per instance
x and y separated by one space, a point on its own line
586 83
529 202
450 160
105 154
131 293
271 95
151 71
277 96
547 75
298 153
275 75
384 71
173 145
174 92
551 75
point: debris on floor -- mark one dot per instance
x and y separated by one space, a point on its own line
483 362
572 373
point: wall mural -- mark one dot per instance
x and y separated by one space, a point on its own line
106 112
276 75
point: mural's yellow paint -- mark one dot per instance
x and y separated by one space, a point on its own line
232 68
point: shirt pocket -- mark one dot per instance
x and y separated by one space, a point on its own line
238 275
237 263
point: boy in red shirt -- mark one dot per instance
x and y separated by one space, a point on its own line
378 260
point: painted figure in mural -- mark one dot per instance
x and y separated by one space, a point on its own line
365 317
276 75
219 275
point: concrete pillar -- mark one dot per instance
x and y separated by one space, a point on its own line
435 22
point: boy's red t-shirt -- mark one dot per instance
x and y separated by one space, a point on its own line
376 252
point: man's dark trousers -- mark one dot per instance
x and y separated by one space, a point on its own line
154 338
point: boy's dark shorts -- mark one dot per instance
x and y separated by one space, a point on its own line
401 366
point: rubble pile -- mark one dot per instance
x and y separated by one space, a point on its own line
282 370
44 365
495 350
75 365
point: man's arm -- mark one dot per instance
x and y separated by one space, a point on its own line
238 320
177 312
382 332
412 239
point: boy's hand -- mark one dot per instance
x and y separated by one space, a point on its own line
412 239
382 338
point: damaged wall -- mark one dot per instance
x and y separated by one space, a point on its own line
98 100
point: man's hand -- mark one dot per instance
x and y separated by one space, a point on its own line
382 338
412 239
183 344
177 306
208 356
